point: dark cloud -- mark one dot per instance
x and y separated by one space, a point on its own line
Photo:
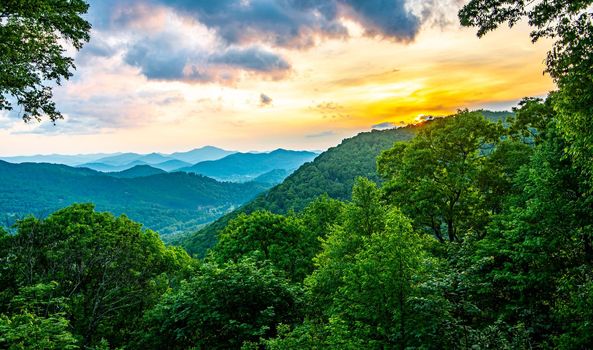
390 19
252 58
98 48
159 57
286 23
291 23
241 28
264 100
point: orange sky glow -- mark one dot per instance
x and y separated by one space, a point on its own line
334 89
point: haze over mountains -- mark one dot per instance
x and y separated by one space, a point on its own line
150 188
210 161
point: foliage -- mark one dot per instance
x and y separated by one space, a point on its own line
569 62
168 203
332 173
33 38
222 307
108 268
433 178
284 241
36 321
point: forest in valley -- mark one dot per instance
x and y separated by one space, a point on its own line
467 232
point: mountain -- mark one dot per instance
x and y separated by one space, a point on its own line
333 173
71 160
118 160
169 202
171 165
247 166
109 168
201 154
137 171
154 158
272 177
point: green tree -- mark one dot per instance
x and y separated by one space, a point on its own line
433 178
363 216
282 240
569 62
375 299
532 119
109 268
222 307
36 320
527 262
33 35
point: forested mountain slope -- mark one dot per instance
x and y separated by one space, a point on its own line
137 171
167 202
333 173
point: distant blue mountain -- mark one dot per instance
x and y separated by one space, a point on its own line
247 166
108 168
117 160
171 165
201 154
71 160
139 171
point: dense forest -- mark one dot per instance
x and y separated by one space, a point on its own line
331 174
471 234
167 202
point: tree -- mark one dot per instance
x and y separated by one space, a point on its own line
569 62
282 240
375 299
535 252
33 37
362 217
433 178
108 268
36 321
223 307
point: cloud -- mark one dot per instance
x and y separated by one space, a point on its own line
383 126
244 35
164 57
321 134
264 100
293 23
252 58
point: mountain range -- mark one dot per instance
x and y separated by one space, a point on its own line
332 173
241 167
123 161
169 202
210 161
166 202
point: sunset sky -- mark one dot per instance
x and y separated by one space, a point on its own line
261 74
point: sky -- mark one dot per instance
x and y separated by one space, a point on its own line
172 75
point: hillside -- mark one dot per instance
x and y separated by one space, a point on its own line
169 202
137 171
333 173
171 165
247 166
272 177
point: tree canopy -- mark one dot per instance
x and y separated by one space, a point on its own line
34 35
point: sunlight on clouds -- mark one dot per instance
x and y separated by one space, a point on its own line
331 90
